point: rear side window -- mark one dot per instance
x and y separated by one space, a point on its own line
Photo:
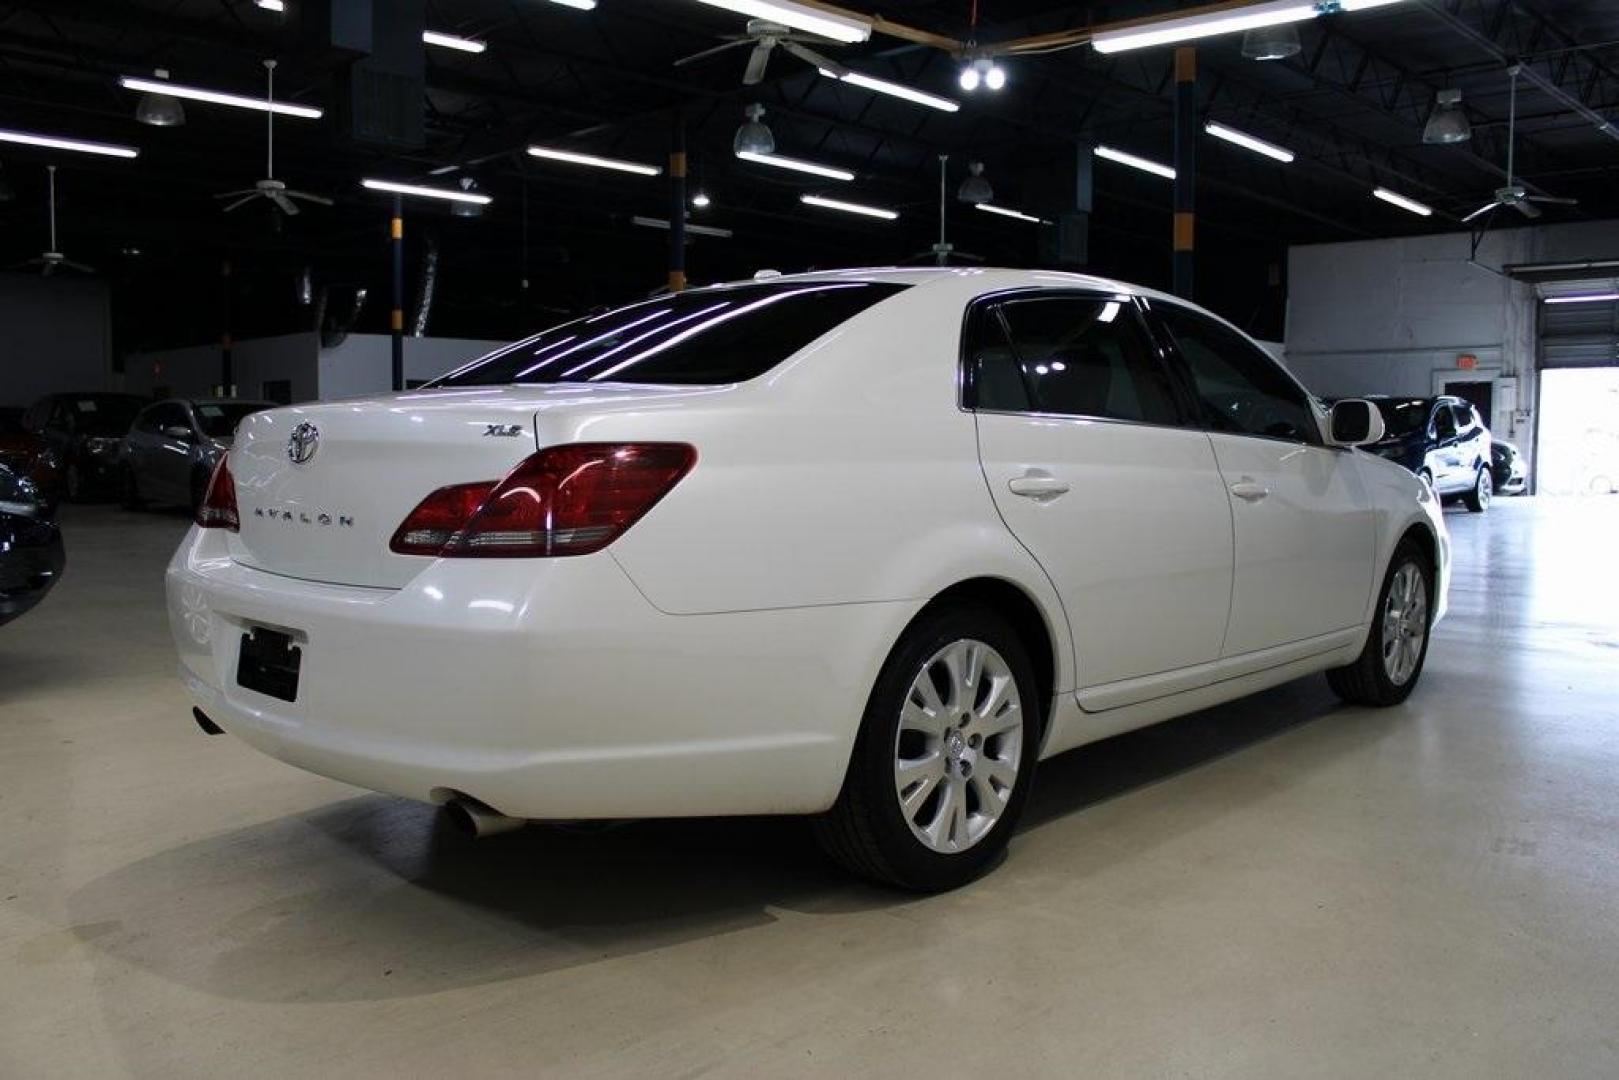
1073 356
703 337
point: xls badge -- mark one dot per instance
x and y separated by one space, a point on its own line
303 442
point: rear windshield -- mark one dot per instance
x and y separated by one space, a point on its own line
1405 416
702 337
218 420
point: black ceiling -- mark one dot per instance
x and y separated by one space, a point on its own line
1352 104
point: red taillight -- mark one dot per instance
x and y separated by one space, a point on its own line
218 507
564 500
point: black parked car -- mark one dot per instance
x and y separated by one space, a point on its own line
1443 441
1507 468
78 437
31 556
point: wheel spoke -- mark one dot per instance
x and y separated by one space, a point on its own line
955 782
911 801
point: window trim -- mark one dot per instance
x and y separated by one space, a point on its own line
1183 371
989 305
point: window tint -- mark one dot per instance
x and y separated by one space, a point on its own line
1079 356
997 379
1466 419
701 337
1444 422
1239 388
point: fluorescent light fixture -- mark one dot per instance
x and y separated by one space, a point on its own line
695 230
892 89
592 160
812 20
193 93
1402 202
991 208
447 194
1208 24
781 162
450 41
57 142
271 5
1363 5
577 5
1248 142
1144 164
1583 298
848 207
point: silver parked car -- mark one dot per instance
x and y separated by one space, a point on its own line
172 447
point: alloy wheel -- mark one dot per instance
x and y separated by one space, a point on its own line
1405 623
959 746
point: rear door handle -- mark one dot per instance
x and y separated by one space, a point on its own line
1037 486
1249 490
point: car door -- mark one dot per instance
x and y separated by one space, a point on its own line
1304 528
140 444
1444 458
1098 468
1473 443
171 460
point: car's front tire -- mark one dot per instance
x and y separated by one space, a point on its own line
1478 500
1397 643
945 756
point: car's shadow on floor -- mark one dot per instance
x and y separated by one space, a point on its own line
373 897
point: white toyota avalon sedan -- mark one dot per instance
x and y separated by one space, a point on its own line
863 545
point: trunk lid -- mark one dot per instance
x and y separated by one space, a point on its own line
366 464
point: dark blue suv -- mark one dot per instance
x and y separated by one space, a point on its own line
1443 441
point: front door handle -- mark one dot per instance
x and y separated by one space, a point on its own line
1038 486
1249 489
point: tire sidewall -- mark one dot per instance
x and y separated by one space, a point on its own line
873 762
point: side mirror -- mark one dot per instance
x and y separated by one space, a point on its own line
1356 422
177 431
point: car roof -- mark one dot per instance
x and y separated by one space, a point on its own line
993 278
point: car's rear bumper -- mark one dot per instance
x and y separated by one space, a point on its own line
546 688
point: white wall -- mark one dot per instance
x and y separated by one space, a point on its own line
1393 316
194 371
55 334
363 363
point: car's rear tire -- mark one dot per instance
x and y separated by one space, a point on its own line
1396 649
945 756
1478 499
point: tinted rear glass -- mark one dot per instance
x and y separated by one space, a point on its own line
702 337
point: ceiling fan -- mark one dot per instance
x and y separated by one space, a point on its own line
49 261
270 188
765 37
943 251
1515 194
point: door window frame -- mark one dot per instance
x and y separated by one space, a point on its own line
988 306
1184 376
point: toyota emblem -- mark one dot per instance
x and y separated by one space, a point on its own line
303 442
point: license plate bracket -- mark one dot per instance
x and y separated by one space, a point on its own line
268 662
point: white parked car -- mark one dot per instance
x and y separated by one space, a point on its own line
864 545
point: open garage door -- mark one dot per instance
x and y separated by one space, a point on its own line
1578 442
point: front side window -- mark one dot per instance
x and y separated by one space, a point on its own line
1239 388
1074 356
704 337
1444 422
